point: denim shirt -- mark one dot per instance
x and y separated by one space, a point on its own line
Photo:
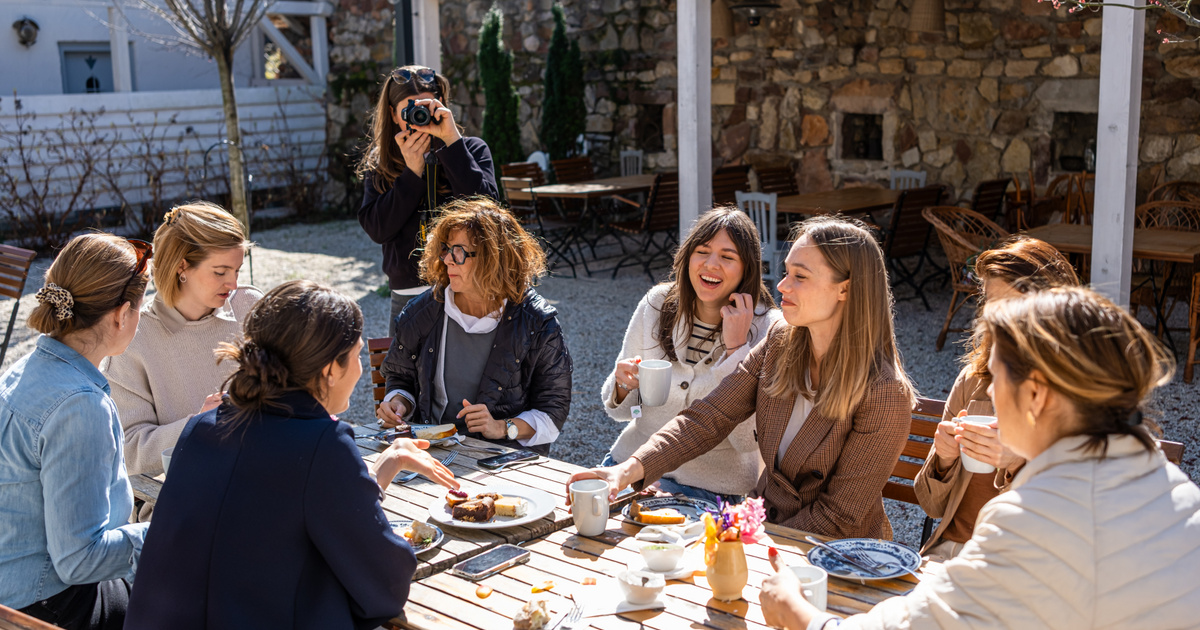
65 500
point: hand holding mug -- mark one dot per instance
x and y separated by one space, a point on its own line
625 377
982 441
736 319
618 477
781 597
944 444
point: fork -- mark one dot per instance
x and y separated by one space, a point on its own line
572 617
869 561
487 449
403 479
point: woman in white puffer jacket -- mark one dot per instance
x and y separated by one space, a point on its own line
1098 530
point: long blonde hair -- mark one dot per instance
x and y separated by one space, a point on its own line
865 343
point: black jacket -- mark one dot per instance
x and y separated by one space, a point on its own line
278 526
529 367
393 218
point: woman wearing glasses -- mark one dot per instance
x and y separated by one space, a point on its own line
169 373
68 547
412 168
480 349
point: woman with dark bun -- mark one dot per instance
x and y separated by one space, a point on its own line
269 518
67 549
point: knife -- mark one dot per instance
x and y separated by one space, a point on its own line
843 557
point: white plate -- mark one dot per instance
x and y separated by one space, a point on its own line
879 550
691 509
400 525
540 502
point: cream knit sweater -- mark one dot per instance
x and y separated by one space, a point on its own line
162 379
734 466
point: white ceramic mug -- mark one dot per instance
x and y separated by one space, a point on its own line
589 506
814 584
654 382
166 459
970 463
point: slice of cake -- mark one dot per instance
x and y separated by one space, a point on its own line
435 432
475 510
512 506
495 496
664 516
455 497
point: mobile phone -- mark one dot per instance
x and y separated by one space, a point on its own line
492 463
490 562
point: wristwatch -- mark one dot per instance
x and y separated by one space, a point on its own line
510 429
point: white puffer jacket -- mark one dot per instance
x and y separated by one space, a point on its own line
1078 542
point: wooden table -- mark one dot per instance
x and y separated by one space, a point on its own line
410 501
844 201
1150 244
592 189
447 602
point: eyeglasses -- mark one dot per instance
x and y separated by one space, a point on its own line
458 253
144 252
423 74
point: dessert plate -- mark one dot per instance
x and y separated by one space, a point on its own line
692 509
400 525
882 551
540 503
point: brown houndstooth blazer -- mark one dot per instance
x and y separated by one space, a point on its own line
832 477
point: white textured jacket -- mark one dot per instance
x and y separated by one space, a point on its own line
734 466
1078 542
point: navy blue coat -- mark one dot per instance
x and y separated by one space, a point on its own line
275 526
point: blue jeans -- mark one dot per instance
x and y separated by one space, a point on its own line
674 487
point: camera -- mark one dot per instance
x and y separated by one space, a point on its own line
417 115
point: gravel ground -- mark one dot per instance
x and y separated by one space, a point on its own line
593 313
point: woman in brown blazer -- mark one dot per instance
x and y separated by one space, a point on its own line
831 402
944 488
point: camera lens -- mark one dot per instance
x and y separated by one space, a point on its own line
421 116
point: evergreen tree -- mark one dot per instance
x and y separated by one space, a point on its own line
500 129
564 116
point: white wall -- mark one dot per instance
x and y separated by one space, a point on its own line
38 69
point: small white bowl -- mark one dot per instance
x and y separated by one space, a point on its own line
641 587
663 557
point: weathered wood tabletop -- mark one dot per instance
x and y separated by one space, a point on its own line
844 200
1151 244
411 500
447 602
595 188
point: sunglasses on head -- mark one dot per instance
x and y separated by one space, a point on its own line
421 74
144 252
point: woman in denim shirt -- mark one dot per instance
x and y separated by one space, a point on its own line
66 548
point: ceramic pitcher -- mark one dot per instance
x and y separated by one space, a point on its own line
727 574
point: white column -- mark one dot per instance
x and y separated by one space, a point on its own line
1117 150
320 48
694 106
427 34
118 38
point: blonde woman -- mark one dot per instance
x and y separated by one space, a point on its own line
830 400
69 550
1099 530
169 372
481 349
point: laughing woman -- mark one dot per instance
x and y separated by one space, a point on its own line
704 321
830 401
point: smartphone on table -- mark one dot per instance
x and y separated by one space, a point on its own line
492 463
490 562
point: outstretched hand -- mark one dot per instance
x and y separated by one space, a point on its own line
411 455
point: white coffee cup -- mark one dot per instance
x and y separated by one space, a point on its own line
970 463
589 506
814 584
166 459
654 382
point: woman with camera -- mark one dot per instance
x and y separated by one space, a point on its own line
418 159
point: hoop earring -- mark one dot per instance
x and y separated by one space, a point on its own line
182 279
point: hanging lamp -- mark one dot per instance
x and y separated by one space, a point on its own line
754 9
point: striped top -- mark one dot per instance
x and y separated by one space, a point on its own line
704 337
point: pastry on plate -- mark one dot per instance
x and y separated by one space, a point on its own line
664 516
420 534
534 615
455 497
475 510
512 506
435 432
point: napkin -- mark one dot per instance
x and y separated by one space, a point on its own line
682 534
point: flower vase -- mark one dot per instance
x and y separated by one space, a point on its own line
727 574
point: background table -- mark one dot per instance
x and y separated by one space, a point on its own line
845 201
1150 244
447 602
592 189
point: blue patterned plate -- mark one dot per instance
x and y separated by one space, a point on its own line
692 509
879 550
401 526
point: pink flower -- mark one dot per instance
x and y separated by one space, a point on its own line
752 517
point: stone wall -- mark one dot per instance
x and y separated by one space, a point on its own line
975 103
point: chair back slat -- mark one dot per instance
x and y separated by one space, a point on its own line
727 180
904 180
908 232
377 350
963 234
16 620
989 197
662 205
781 181
926 415
528 170
573 170
761 208
631 162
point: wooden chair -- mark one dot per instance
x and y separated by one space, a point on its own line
16 620
907 235
988 199
1178 190
527 170
1173 451
631 162
552 232
727 181
964 234
761 208
659 215
14 271
573 170
1080 195
925 417
904 180
781 181
377 349
1174 281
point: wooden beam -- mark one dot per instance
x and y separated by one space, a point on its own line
1117 150
320 48
289 51
694 105
284 7
118 37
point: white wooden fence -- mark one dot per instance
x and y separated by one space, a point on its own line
157 143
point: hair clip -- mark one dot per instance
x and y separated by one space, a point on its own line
1134 418
170 217
57 297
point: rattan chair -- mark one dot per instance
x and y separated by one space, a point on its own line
1178 190
1171 281
964 234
